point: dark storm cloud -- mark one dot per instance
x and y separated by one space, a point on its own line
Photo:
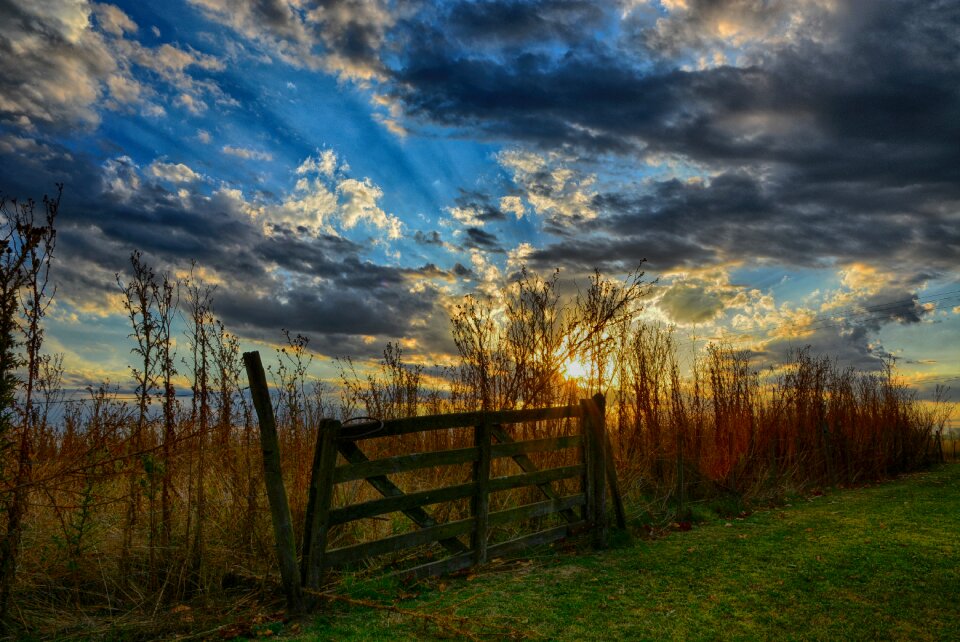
699 25
835 142
463 271
516 23
427 238
887 79
481 240
481 205
735 216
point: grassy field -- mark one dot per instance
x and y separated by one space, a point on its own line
878 562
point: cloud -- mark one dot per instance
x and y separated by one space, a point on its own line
689 303
121 178
473 209
824 142
173 172
61 64
325 163
76 58
341 36
513 205
325 200
113 20
515 23
269 277
710 29
555 189
247 154
361 204
477 239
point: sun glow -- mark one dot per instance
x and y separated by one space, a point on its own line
575 369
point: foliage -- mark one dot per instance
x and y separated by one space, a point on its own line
145 506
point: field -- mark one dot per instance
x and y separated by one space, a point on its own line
144 515
876 562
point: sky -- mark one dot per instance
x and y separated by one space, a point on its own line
789 170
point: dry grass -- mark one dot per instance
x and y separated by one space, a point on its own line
100 558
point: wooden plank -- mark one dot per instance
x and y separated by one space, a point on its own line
480 504
273 478
394 543
387 488
392 427
527 466
440 567
459 562
436 495
598 414
539 509
347 554
403 463
404 502
513 448
536 478
321 488
534 539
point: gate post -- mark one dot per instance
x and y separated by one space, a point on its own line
596 465
317 524
480 504
273 478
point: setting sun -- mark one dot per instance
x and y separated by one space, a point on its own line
575 369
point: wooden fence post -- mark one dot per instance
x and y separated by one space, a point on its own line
586 444
480 503
317 524
273 478
600 404
596 474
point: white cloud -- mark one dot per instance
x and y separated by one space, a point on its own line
325 163
489 279
326 201
362 205
113 20
191 102
248 154
519 256
173 172
554 189
121 178
466 216
124 88
513 205
312 207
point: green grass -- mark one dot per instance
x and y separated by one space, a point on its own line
880 562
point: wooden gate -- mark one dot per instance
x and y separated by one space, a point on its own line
467 540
